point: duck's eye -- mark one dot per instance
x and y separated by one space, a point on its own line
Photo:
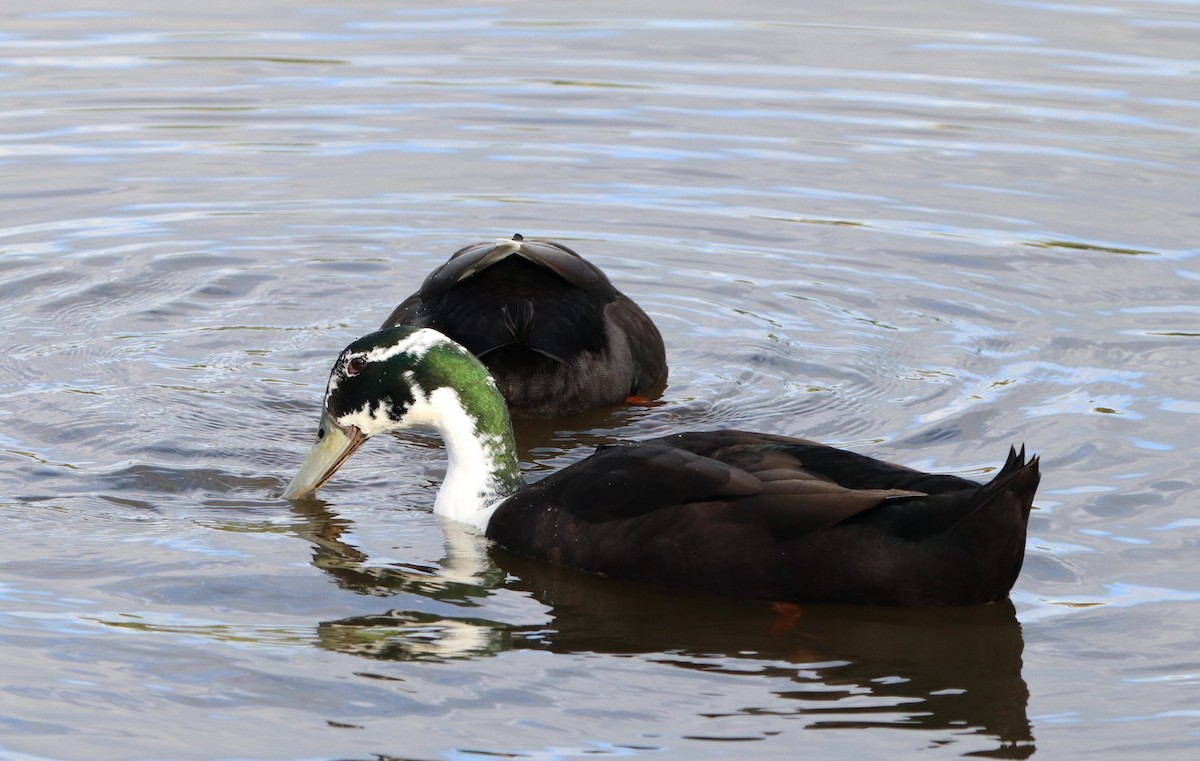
355 366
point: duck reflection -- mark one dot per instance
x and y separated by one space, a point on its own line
956 669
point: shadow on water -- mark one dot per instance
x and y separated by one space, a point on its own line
846 667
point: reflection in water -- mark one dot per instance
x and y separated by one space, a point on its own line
956 670
460 578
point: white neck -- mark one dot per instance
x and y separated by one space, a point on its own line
473 488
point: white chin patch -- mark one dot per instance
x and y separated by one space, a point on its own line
369 421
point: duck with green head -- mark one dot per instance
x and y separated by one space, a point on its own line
722 512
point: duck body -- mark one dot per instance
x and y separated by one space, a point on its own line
754 515
719 512
556 335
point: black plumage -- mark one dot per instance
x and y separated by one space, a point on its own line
755 515
551 328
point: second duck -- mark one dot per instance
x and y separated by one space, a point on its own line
555 334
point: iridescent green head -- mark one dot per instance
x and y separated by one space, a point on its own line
395 379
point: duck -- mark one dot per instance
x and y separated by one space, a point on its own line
721 512
557 336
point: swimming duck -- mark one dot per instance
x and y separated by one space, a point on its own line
725 512
556 335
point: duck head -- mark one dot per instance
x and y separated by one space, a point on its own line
395 379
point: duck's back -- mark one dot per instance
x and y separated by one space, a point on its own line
554 332
753 515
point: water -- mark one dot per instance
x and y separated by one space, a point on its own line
924 232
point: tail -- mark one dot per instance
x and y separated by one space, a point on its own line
998 522
1017 478
1016 483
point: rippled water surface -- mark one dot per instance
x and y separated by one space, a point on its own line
922 231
